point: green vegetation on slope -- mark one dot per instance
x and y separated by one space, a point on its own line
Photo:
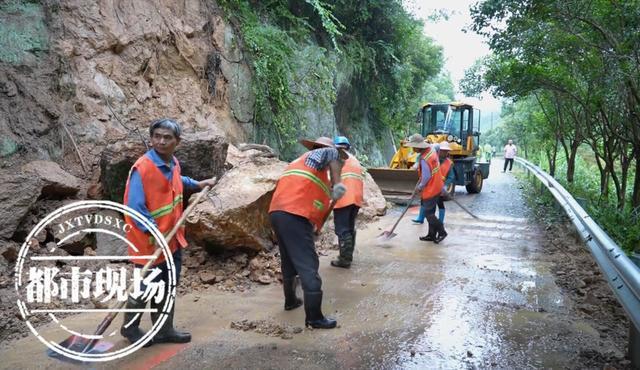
572 72
378 42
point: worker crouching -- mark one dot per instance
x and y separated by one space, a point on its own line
299 207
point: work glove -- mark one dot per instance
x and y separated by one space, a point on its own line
418 189
338 191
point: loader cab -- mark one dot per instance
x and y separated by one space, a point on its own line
453 122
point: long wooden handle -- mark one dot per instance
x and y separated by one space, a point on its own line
326 217
413 196
107 321
465 209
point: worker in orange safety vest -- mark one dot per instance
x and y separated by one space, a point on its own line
447 176
155 189
346 209
429 185
299 206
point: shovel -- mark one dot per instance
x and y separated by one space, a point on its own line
464 208
77 343
387 235
324 220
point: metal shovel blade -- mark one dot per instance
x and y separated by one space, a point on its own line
80 344
386 235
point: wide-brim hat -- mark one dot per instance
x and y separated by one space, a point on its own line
445 146
323 142
416 141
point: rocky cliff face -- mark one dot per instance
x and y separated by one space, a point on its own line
108 68
78 77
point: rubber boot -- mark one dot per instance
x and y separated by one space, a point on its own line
441 234
420 219
354 239
132 332
346 252
291 301
433 229
167 333
352 248
313 312
441 213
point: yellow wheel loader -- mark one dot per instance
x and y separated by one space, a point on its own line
451 122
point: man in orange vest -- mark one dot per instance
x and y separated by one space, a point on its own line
430 183
346 209
300 204
448 177
154 189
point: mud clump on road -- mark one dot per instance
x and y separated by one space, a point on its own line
267 327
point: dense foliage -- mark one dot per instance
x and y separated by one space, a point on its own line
381 45
571 70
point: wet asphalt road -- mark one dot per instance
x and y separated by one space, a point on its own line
484 298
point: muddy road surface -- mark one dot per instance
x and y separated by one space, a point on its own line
486 297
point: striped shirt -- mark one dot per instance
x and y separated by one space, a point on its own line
319 159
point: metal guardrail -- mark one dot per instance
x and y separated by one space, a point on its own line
620 272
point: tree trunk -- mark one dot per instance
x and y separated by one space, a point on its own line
635 198
604 177
624 178
571 161
551 159
619 192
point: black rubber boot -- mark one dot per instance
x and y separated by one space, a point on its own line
313 311
441 235
167 333
131 325
434 227
291 301
427 238
346 252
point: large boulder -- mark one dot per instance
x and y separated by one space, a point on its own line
19 191
55 181
236 216
201 155
374 202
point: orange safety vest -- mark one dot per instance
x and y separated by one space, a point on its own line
303 191
164 201
353 178
431 189
444 169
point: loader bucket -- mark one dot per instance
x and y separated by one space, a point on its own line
394 181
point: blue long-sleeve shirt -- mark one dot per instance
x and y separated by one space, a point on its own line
426 173
450 176
136 198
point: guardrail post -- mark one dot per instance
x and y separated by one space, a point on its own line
634 347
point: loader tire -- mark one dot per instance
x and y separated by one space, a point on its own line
475 186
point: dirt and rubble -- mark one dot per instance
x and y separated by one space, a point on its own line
232 247
578 275
267 327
